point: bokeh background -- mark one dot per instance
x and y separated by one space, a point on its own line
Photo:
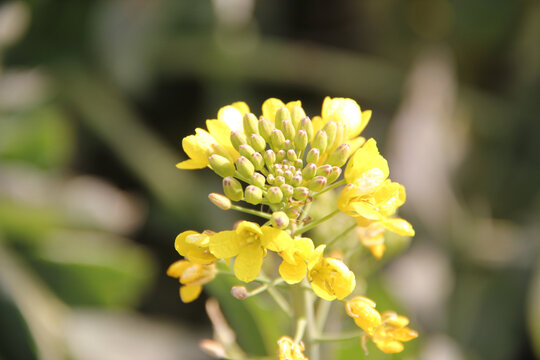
95 97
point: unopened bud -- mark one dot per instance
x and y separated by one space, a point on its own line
293 213
239 292
253 195
320 141
341 135
313 156
288 129
298 163
307 126
237 139
291 155
317 183
271 179
296 180
265 128
245 167
246 150
269 158
277 139
282 114
336 172
297 114
300 140
221 201
309 171
258 179
287 190
331 129
257 142
280 156
257 161
274 195
301 193
232 189
288 174
339 156
279 220
251 124
221 165
288 144
324 170
280 179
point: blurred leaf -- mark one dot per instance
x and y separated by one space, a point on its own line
17 341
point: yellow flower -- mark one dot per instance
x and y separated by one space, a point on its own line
248 243
362 310
387 331
229 119
367 168
293 268
192 276
289 350
372 237
194 247
272 105
345 111
389 336
330 278
198 147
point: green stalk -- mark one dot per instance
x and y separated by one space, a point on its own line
251 211
315 223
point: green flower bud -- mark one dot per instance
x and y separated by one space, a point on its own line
281 154
257 142
287 190
274 195
320 141
265 128
271 179
246 150
336 172
282 114
297 114
296 180
288 145
251 124
277 139
339 156
245 167
222 202
301 193
309 171
237 139
317 183
307 126
293 213
258 180
269 158
288 129
298 163
341 135
331 130
300 140
313 156
291 155
279 220
221 165
253 195
288 174
280 180
232 188
257 161
324 170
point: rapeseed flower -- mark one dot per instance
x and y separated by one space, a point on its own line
195 247
192 277
330 278
289 350
293 268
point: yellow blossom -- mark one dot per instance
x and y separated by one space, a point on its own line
372 237
389 336
330 278
342 110
362 310
272 105
198 147
194 247
192 276
289 350
293 268
367 168
229 119
248 243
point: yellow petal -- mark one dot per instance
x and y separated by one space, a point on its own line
231 117
390 347
270 107
224 244
364 161
362 310
275 239
177 268
188 293
317 257
304 247
192 164
399 226
345 111
241 106
247 264
291 273
377 250
322 291
365 210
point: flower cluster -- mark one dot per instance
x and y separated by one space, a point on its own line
281 162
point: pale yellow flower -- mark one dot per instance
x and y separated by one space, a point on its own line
289 350
345 111
362 310
194 247
192 277
293 268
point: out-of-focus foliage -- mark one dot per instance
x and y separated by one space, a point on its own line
96 95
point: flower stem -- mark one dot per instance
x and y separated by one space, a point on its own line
313 346
280 300
333 186
311 225
300 329
251 211
338 237
339 337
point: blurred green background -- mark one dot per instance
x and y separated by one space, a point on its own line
95 97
